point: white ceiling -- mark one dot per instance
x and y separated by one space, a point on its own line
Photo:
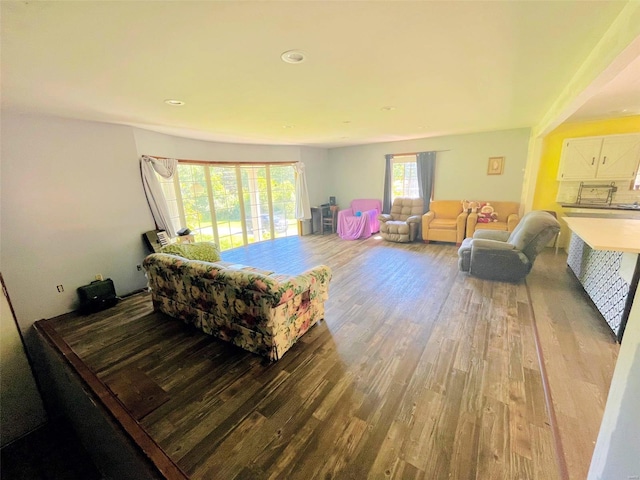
447 67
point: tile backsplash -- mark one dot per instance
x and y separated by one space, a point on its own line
568 192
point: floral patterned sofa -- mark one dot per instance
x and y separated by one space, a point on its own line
257 310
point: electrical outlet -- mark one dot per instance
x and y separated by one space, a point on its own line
139 267
60 288
99 277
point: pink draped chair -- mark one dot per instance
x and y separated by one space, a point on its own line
352 225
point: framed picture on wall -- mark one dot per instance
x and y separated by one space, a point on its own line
496 164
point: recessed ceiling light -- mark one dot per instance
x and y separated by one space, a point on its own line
293 56
174 103
388 108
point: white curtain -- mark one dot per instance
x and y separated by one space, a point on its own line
303 207
165 167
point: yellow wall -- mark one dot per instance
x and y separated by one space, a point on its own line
546 183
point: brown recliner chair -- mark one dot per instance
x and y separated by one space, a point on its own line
403 223
445 222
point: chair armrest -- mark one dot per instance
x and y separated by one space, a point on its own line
498 235
486 244
384 217
461 220
347 212
472 219
414 219
427 217
512 221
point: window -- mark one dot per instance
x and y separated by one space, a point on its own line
405 177
233 205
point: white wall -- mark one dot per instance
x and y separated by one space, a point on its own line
461 166
72 207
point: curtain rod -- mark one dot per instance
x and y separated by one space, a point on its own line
415 153
204 162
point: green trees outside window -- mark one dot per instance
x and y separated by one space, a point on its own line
233 205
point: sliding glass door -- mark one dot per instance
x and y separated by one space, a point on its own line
233 204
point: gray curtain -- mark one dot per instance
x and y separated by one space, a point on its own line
388 175
426 167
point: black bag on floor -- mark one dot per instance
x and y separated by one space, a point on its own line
97 296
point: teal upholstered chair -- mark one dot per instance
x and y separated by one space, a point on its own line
507 256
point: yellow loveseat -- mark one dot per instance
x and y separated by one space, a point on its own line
445 222
508 218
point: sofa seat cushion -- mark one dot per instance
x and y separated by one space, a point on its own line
444 224
396 227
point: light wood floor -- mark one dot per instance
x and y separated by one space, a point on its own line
418 371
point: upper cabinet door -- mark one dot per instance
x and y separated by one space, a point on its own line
619 157
579 160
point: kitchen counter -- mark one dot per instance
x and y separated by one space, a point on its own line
604 254
617 234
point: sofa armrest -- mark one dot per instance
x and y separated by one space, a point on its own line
427 218
384 217
316 280
414 219
472 220
487 244
347 212
461 220
512 221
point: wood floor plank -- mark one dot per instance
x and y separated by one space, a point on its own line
417 371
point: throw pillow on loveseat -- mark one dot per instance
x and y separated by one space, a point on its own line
205 251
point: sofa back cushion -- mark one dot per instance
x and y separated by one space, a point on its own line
504 209
446 208
363 205
405 207
533 232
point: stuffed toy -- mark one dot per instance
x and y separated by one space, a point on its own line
487 214
470 207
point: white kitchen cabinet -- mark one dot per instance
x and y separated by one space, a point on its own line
613 157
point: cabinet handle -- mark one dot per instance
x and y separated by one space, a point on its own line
593 160
604 160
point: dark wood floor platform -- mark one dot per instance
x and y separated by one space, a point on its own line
417 372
